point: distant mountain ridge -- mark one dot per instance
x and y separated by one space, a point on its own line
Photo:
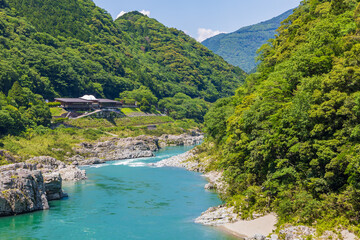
239 48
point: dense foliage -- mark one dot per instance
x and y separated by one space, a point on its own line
239 48
139 94
142 96
70 48
182 106
289 141
22 109
177 63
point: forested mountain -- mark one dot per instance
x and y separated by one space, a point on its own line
239 48
289 140
177 62
70 48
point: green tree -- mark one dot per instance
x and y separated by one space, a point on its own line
145 105
140 94
7 123
291 133
18 95
39 114
182 106
216 117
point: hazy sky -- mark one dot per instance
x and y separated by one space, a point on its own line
202 18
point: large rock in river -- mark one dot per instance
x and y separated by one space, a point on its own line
21 191
53 186
27 187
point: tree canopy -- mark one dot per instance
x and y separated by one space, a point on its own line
182 106
71 48
140 94
289 139
22 109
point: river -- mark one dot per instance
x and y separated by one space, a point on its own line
124 200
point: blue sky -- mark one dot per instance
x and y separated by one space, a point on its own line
203 18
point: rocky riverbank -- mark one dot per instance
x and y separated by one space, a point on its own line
221 216
217 216
186 160
290 232
129 148
28 186
214 216
227 220
177 161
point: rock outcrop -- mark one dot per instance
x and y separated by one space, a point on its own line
118 149
216 216
129 148
216 181
181 160
72 173
185 160
303 232
78 160
28 186
53 186
22 190
51 165
180 140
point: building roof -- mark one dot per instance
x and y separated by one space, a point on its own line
80 100
103 100
89 97
72 100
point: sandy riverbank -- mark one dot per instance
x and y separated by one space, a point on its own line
223 217
249 228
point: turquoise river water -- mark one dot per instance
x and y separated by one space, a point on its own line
124 200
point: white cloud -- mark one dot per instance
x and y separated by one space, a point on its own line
145 12
120 14
206 33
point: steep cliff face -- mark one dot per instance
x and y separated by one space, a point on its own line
21 191
53 186
27 187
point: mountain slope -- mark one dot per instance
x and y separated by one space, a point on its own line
70 48
239 48
170 50
289 140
